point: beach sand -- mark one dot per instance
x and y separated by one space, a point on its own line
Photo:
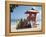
13 29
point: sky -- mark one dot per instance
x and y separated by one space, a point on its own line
19 12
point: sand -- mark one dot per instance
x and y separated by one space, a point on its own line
13 29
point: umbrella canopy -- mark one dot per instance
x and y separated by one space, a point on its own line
33 11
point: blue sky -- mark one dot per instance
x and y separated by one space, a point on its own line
19 11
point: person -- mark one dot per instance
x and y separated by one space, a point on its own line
29 25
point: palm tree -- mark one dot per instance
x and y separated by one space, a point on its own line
12 6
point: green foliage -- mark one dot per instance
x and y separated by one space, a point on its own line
12 6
